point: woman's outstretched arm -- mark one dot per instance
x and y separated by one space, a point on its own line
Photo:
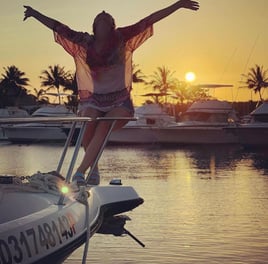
157 16
47 21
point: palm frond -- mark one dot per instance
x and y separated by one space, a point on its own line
256 79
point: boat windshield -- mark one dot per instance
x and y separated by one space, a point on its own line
261 118
206 117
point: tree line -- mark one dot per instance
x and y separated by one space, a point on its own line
55 81
15 87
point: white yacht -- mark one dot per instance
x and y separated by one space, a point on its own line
39 132
202 123
10 112
150 119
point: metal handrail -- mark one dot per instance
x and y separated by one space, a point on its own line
75 153
22 120
74 120
113 120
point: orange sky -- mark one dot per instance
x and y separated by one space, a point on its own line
219 42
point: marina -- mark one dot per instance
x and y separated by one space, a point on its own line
204 122
144 140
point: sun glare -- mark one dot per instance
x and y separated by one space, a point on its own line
64 189
190 76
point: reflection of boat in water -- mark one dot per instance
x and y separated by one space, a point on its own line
38 132
43 220
202 123
10 112
254 132
209 160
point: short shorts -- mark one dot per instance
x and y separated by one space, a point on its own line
127 104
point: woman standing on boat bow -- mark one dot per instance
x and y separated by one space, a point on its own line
104 70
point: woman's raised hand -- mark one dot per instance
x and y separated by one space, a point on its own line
28 12
189 4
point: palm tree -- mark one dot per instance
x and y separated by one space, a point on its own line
137 78
199 93
41 95
137 75
71 85
257 79
190 93
55 78
15 77
13 85
182 92
163 81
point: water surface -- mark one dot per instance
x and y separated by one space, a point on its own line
202 204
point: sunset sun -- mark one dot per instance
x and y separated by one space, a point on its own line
190 76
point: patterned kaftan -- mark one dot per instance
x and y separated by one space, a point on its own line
105 78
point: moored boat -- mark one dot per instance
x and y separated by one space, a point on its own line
150 119
44 219
202 123
33 132
10 112
254 132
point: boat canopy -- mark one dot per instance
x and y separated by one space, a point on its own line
150 109
210 106
58 110
13 112
261 110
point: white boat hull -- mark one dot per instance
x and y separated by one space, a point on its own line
202 123
174 135
40 132
34 229
2 134
33 133
254 133
251 134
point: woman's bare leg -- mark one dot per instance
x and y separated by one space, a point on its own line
100 133
91 126
88 135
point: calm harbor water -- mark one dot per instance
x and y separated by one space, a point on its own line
202 204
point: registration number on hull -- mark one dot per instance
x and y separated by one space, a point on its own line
26 244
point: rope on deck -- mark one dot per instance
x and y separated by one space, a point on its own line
38 182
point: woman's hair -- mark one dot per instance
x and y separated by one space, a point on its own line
104 15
